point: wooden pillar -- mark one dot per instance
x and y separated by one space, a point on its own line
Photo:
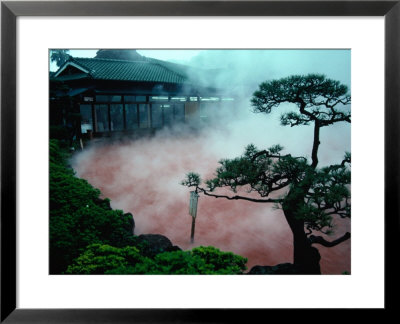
94 118
109 117
123 111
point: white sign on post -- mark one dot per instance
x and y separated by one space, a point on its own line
193 203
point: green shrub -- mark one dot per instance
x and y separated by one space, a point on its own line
103 259
78 217
223 262
176 262
129 260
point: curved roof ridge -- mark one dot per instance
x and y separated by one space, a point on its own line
148 70
107 59
72 59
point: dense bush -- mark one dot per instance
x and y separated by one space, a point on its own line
223 262
78 217
104 259
200 260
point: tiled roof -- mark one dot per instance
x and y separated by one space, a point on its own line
144 71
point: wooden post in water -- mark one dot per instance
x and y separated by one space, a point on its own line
193 212
192 232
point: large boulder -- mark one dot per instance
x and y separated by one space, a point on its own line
279 269
153 244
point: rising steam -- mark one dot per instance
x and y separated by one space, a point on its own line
143 176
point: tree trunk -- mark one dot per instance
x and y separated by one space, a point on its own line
305 257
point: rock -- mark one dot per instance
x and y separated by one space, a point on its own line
279 269
154 244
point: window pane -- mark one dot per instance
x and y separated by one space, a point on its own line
129 98
206 109
135 98
105 98
131 116
102 118
168 112
101 98
86 118
156 116
117 117
115 98
143 116
141 98
179 113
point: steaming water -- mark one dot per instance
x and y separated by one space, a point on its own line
143 177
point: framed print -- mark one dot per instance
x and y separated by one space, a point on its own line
357 42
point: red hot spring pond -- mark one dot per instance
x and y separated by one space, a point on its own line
143 177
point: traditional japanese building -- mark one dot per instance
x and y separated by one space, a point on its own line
109 95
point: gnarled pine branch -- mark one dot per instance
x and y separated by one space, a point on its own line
237 197
320 240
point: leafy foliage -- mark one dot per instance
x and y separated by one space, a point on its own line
262 171
105 259
60 56
192 179
317 98
222 262
78 217
327 194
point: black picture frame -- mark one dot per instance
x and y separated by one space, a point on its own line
10 10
